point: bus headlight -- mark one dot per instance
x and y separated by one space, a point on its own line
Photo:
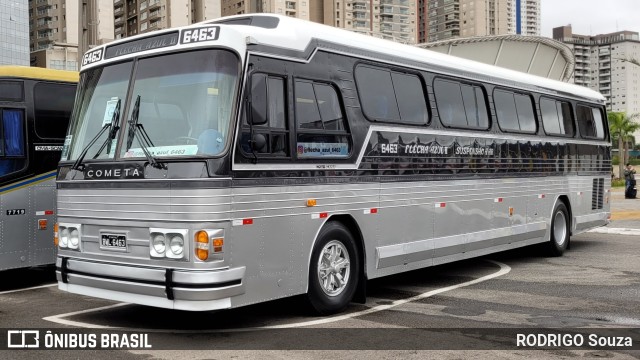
176 247
167 243
74 239
69 236
158 246
64 237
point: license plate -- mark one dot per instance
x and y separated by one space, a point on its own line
116 242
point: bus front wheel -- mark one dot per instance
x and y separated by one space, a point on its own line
559 239
334 269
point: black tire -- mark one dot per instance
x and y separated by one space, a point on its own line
334 235
560 230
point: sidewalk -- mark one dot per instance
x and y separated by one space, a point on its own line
625 213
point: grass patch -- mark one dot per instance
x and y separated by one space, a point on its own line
617 183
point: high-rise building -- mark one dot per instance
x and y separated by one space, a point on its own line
389 19
132 17
53 34
447 19
603 64
52 21
14 33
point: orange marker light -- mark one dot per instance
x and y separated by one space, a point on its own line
202 245
311 202
42 224
55 234
217 245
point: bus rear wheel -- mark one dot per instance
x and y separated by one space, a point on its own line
334 270
559 239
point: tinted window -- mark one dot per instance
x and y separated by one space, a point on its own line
271 138
13 132
12 141
461 105
550 118
321 123
53 105
11 91
514 111
275 94
391 95
307 112
376 93
590 122
475 107
329 106
526 117
450 104
410 97
506 111
556 117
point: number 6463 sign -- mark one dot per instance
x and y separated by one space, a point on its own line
208 33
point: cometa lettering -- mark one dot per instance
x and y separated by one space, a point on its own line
112 173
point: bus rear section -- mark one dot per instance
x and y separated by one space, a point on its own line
35 107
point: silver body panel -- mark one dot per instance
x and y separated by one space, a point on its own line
22 244
270 258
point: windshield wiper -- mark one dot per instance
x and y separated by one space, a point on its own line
114 130
112 133
144 140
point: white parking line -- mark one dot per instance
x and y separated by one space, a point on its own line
616 231
59 318
504 269
31 288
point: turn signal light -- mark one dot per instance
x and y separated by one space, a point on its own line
202 245
42 224
217 245
55 234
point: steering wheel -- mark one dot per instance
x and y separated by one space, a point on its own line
189 140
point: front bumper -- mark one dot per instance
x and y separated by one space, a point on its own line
195 290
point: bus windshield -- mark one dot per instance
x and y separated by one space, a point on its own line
183 105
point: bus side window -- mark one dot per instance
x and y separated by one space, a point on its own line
590 122
320 122
52 107
275 132
12 149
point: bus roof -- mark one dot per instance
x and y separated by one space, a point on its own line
297 34
26 72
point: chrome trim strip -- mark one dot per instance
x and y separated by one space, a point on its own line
403 254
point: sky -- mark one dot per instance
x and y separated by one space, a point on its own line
590 17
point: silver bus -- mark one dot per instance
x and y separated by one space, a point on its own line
35 106
257 157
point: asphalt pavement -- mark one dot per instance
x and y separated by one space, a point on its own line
474 304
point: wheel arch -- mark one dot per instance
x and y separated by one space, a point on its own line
352 225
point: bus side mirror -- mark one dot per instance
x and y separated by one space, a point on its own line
258 113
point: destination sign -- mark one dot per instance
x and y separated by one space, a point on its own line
113 172
144 44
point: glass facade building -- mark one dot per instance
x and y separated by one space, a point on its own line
14 32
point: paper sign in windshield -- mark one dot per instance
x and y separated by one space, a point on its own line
306 149
175 150
108 112
65 147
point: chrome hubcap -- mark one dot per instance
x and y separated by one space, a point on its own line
560 228
333 268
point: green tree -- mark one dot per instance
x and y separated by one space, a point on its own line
622 128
